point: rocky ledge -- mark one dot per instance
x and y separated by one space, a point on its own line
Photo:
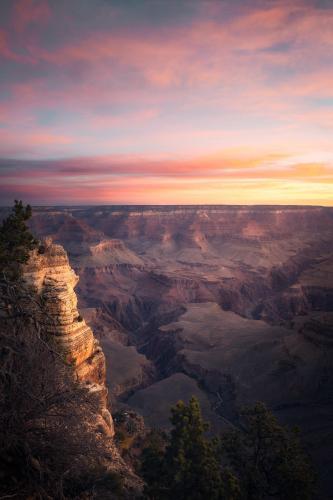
49 274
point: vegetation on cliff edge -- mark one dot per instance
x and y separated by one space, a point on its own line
47 446
16 241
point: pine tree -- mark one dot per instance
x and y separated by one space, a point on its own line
16 241
154 469
190 467
195 470
268 459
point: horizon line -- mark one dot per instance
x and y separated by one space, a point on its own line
189 205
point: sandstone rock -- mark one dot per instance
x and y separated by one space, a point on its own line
49 274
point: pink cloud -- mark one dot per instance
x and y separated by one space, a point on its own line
4 49
7 53
31 140
233 54
202 51
135 170
26 12
125 119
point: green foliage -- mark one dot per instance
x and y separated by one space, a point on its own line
194 469
154 469
188 468
16 241
268 458
263 460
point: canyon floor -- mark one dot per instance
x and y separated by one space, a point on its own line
231 304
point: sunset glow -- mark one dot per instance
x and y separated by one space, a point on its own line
166 102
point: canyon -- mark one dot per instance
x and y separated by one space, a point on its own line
233 304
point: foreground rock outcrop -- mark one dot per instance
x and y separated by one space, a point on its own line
49 274
52 279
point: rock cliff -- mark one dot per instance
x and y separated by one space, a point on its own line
49 274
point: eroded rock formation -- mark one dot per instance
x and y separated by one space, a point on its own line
49 274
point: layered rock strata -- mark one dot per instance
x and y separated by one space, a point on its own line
49 274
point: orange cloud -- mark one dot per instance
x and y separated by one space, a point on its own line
270 178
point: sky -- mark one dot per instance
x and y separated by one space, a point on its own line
166 102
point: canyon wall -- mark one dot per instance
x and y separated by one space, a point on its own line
49 274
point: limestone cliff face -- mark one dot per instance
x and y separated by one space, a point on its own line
48 272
